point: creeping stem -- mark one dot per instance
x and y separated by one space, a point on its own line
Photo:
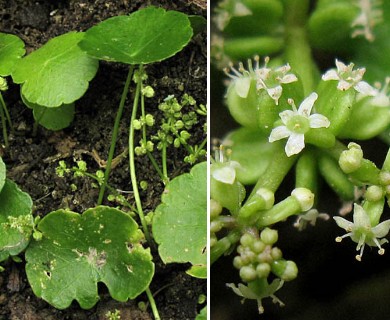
115 135
4 125
133 175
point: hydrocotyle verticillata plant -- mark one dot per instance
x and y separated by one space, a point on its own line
101 245
11 50
16 220
294 116
182 214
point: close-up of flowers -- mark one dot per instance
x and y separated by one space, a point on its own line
307 126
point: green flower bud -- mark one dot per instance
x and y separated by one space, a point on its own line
139 151
263 270
258 246
351 160
215 226
215 209
247 240
179 124
285 269
276 254
3 84
384 178
137 124
248 273
269 236
237 262
148 92
305 198
149 120
149 146
374 193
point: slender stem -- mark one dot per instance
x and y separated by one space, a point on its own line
164 161
155 165
133 175
36 122
298 52
6 113
115 135
152 304
4 125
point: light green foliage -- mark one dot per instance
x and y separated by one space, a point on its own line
145 36
246 144
78 251
202 315
52 118
183 215
2 173
11 50
57 73
16 221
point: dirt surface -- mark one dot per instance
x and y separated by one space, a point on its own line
31 161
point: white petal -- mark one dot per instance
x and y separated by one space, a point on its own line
341 66
240 10
344 85
382 229
295 144
318 121
331 75
360 217
224 174
286 115
364 88
288 78
275 93
380 100
307 105
343 223
278 133
242 86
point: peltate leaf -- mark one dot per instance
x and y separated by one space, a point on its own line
57 73
78 251
11 50
16 221
180 221
2 173
52 118
145 36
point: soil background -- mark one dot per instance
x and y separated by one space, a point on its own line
31 161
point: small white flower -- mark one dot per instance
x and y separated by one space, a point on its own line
271 79
309 217
381 99
370 15
348 78
228 9
223 169
267 291
268 79
297 123
362 232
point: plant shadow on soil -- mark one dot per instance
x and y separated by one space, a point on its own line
31 161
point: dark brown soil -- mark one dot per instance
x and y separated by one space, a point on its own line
31 161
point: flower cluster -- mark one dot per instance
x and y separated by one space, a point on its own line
265 78
256 260
370 15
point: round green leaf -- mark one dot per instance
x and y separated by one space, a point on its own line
52 118
180 221
11 50
2 173
57 73
16 221
145 36
78 251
